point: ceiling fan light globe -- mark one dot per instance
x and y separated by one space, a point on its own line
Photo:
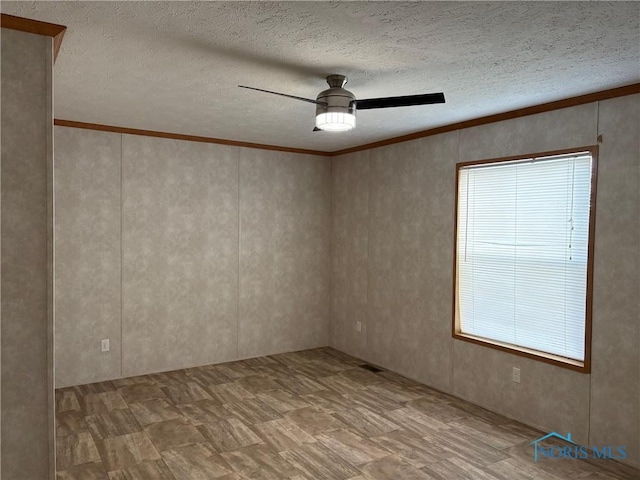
335 121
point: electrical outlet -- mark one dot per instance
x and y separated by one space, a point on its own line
104 345
358 326
515 375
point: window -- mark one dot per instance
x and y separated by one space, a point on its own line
523 255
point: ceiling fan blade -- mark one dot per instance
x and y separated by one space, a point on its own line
406 101
309 100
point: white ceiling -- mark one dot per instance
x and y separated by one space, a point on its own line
175 66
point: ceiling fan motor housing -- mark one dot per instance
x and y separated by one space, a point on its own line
337 100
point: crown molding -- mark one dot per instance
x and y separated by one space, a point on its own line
37 27
179 136
522 112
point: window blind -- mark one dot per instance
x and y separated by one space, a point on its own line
522 251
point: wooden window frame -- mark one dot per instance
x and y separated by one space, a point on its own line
457 334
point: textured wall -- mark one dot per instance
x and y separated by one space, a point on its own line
392 225
404 258
409 257
190 223
284 252
615 377
350 252
180 254
27 433
87 252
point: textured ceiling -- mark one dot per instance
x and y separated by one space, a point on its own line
175 66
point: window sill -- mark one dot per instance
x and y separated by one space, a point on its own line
557 360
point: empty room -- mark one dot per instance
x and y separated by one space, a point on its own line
320 240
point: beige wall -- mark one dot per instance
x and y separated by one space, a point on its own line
87 201
392 256
180 254
284 252
615 377
350 253
185 253
27 425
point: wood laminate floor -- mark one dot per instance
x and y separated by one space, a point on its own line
309 415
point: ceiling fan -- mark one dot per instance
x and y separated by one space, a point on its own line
336 107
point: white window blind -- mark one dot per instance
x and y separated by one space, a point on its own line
522 251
